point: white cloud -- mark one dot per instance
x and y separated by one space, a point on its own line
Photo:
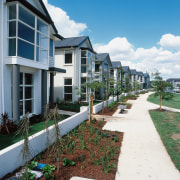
164 60
65 26
170 41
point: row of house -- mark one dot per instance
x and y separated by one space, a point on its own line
38 65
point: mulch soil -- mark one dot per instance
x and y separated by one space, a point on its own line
92 157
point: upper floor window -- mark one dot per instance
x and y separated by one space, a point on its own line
68 57
51 48
97 67
27 35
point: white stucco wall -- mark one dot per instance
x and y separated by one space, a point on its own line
72 71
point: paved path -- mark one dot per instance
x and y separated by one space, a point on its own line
143 155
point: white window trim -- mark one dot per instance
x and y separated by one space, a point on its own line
33 98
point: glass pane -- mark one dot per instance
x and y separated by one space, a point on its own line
26 17
21 108
21 78
12 47
51 48
83 69
83 97
83 60
41 55
25 50
25 32
28 92
42 27
83 89
97 67
21 93
12 29
12 12
68 97
28 106
83 53
68 58
67 81
28 79
83 80
42 41
67 89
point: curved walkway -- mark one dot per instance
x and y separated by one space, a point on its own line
143 155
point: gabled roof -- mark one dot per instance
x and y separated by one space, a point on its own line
133 71
116 64
125 68
139 73
45 16
146 75
102 56
174 79
72 42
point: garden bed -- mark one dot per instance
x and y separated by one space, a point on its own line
94 151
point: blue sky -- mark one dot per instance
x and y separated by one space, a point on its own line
144 34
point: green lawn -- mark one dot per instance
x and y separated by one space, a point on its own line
9 139
168 125
174 103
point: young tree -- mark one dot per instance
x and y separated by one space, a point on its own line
161 87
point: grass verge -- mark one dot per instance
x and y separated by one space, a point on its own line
174 103
9 139
168 125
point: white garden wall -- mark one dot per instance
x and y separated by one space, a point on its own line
10 157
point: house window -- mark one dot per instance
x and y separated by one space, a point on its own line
27 35
51 48
83 61
83 88
97 67
68 89
68 57
26 93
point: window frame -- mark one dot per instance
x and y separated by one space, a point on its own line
68 85
24 99
43 51
68 52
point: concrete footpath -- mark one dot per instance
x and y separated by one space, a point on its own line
143 155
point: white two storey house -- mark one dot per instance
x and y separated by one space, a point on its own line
77 57
27 36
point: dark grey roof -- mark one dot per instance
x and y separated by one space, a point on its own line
125 68
174 79
116 64
139 73
71 42
101 56
146 75
133 72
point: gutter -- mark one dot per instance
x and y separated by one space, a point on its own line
2 55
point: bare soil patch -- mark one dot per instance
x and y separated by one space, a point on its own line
95 153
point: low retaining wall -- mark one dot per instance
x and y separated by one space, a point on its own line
10 157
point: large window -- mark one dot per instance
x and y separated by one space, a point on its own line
68 89
26 93
27 35
68 57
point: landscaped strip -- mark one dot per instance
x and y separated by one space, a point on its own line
9 139
168 125
174 103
